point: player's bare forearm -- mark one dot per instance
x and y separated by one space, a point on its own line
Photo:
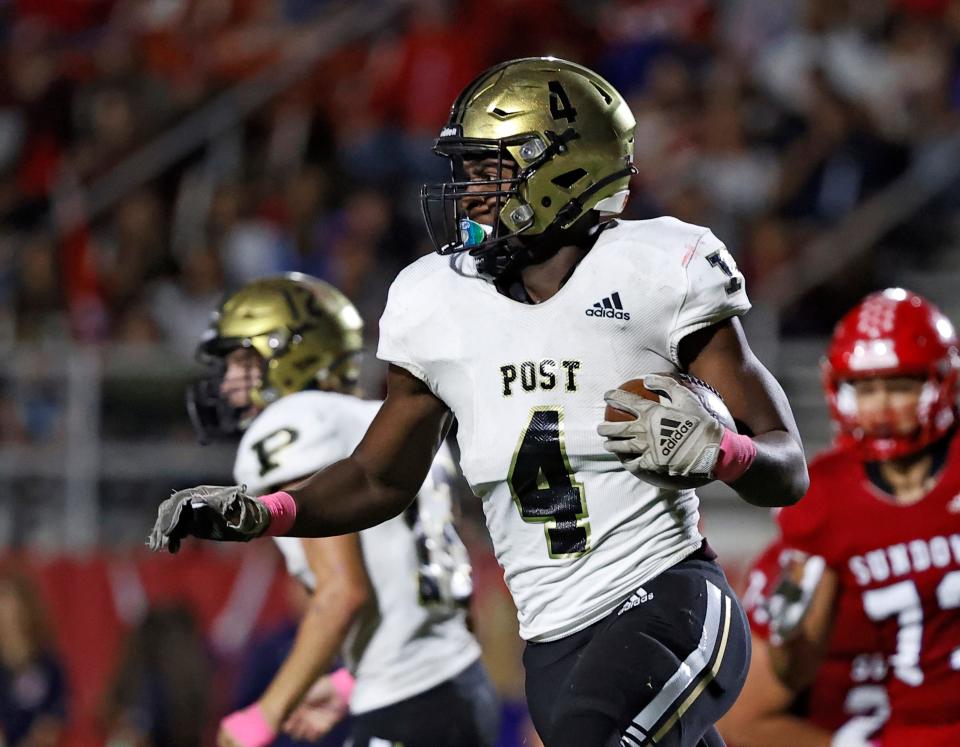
344 498
796 660
778 475
777 730
761 715
343 590
721 356
382 476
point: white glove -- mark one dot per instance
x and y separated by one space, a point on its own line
677 437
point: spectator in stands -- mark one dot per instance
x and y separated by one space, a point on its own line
182 304
250 245
798 111
33 689
160 694
38 290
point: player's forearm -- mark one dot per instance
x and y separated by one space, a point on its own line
776 730
382 476
801 620
322 630
778 474
345 498
795 662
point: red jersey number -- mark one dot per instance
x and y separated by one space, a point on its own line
903 600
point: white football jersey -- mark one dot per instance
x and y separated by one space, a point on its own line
414 637
574 532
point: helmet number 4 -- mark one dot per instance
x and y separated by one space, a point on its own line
560 106
542 485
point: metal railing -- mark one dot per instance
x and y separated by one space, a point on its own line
98 442
122 441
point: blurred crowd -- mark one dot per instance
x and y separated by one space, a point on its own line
767 121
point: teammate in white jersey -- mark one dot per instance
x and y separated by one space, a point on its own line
391 599
537 302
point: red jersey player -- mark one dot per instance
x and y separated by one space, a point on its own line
843 707
883 509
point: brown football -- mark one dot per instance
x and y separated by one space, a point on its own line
635 386
707 395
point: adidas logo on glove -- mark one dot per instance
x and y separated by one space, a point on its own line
672 433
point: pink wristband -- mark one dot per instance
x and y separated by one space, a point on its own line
342 682
249 727
283 512
737 453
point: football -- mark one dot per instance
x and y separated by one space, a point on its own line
709 398
707 395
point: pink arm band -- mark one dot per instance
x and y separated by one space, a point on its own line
342 682
283 512
737 453
249 727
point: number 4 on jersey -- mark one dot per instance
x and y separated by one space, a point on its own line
542 485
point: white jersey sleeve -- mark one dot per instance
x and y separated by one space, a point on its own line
294 437
290 440
407 312
715 289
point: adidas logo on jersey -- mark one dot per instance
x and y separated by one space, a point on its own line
638 597
954 505
609 308
672 433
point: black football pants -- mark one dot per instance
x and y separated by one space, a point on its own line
462 712
660 669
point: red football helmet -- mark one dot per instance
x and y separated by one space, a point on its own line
893 333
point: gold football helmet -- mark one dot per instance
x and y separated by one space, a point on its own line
308 334
570 135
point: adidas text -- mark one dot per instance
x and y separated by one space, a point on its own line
637 598
608 314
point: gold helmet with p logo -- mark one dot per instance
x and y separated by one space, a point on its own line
307 333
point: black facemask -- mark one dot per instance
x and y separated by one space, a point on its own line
212 416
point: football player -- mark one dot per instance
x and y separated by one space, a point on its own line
283 355
883 511
844 706
537 302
